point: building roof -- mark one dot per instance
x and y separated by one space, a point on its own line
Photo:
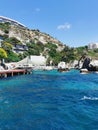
34 60
11 20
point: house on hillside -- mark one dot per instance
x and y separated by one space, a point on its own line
92 46
20 48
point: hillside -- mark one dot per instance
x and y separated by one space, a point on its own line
17 42
25 35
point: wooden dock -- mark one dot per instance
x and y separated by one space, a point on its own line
11 73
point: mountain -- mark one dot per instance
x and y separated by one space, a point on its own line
15 29
18 41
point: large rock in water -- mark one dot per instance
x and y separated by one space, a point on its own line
62 67
87 65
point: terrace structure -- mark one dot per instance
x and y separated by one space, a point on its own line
20 48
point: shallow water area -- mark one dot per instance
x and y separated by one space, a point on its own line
49 100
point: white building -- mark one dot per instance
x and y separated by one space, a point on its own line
92 46
32 61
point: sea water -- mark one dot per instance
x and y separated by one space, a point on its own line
49 100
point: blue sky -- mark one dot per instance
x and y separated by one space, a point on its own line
73 22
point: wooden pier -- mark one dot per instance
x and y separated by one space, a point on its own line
11 73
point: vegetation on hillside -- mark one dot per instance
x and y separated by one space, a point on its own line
35 47
5 27
48 50
3 53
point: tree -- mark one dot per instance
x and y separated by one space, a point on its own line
13 41
3 53
12 57
7 46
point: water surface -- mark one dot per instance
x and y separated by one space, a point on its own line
49 100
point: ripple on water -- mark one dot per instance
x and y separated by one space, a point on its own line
49 100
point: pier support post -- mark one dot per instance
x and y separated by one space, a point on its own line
5 75
12 74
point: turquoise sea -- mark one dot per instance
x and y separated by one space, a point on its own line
49 100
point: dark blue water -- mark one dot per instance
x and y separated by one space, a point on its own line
49 100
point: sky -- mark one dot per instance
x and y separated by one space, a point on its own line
73 22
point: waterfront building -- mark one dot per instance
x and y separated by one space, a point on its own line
32 60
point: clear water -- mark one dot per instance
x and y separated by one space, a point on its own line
49 100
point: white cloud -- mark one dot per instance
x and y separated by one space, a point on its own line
37 10
64 26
